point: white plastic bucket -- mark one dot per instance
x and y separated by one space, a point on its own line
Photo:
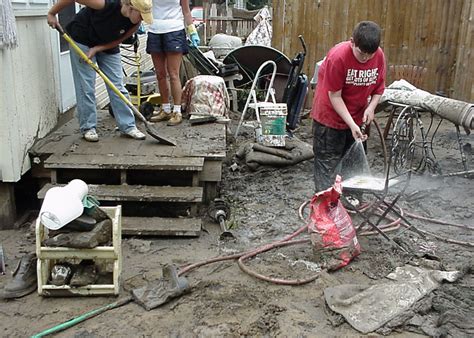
273 122
62 205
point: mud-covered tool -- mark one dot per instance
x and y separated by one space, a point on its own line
219 211
195 120
149 127
162 290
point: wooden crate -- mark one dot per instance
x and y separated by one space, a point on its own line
104 256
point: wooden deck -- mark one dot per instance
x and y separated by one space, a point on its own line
205 140
120 170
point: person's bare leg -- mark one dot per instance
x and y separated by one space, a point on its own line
173 65
173 62
159 62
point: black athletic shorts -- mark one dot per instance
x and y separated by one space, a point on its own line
167 42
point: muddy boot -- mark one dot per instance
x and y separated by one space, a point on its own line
24 278
161 116
101 234
176 118
85 274
162 290
62 239
82 223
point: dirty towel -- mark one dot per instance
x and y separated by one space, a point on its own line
256 155
206 95
369 307
8 32
458 112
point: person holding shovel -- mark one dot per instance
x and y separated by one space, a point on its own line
98 29
167 43
351 81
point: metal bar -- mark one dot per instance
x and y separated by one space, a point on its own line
376 228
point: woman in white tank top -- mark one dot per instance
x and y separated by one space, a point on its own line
167 43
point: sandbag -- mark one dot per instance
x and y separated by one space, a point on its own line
256 155
331 231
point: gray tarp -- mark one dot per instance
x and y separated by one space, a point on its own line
458 112
369 307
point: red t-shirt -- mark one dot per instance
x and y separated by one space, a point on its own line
358 82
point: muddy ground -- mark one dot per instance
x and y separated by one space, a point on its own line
225 301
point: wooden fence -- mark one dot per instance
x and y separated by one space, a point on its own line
219 21
437 34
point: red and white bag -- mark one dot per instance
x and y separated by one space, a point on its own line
331 231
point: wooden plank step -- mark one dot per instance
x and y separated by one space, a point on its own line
159 226
141 193
100 161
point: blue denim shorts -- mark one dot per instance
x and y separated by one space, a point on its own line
167 42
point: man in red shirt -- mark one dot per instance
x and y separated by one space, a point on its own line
350 83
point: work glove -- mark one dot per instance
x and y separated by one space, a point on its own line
193 35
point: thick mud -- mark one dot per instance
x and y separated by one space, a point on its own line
226 301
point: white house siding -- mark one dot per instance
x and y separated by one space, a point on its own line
29 90
28 96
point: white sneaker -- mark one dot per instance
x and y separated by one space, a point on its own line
135 134
91 135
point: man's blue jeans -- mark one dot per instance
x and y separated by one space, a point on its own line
84 83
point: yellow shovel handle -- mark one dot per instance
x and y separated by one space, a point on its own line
96 68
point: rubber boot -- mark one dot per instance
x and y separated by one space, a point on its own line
162 290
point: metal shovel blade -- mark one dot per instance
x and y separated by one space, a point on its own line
154 133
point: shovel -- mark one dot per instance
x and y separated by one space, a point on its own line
150 296
148 126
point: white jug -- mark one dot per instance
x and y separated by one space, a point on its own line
62 205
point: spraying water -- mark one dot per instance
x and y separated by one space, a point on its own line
354 162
